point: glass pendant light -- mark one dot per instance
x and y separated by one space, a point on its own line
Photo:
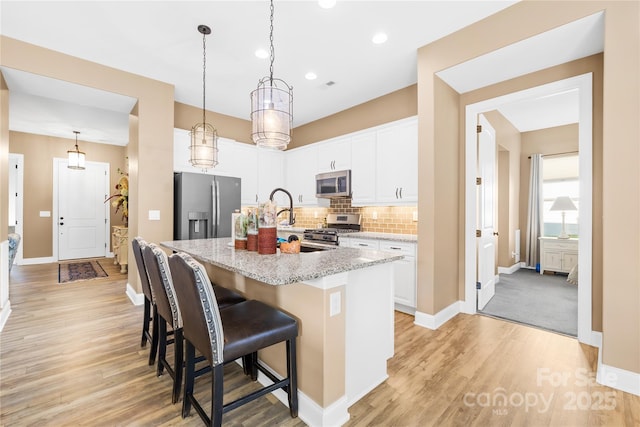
76 157
272 108
204 137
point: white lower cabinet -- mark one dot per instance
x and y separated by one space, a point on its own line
405 275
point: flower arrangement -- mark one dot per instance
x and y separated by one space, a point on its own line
121 198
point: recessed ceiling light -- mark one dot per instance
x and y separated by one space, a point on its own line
262 54
326 4
379 38
310 76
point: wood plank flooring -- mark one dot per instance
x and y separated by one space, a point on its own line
70 355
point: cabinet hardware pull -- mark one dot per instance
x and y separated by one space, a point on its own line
401 192
393 247
396 192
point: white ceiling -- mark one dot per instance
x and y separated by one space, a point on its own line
160 40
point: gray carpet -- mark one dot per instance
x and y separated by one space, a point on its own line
543 300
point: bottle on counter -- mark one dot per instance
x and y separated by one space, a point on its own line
252 229
241 232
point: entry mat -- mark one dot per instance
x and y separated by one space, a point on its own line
75 271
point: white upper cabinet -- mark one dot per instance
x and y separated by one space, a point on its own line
270 175
363 169
334 154
397 163
301 167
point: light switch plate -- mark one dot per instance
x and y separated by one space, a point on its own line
45 214
334 304
154 215
415 215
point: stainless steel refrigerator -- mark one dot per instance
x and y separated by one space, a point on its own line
203 204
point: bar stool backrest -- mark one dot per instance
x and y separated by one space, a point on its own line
201 323
138 243
162 284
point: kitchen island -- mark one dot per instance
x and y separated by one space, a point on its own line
343 300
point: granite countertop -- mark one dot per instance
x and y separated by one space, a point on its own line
280 269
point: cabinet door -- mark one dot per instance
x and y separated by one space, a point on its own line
552 261
397 164
246 167
569 260
404 272
270 176
363 169
334 154
301 167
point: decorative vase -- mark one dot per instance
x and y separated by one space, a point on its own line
267 237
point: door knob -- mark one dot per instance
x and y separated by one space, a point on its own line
62 223
495 233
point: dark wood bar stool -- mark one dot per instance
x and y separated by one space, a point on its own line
228 334
168 312
150 313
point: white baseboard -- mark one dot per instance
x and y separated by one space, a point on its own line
309 411
405 309
43 260
510 270
433 322
4 314
610 376
136 298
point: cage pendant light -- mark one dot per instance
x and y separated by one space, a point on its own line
76 157
272 108
204 137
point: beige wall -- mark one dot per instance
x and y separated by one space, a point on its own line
321 338
150 160
508 172
620 152
185 116
393 106
39 152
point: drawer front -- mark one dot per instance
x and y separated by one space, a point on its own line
560 246
364 243
408 249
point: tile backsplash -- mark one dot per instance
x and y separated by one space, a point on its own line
388 219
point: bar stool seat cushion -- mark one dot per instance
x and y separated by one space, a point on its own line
266 326
226 297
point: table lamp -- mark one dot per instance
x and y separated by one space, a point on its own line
563 203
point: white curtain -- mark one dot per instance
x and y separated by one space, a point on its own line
534 217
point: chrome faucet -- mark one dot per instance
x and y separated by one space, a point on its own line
292 217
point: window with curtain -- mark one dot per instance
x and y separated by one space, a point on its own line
560 178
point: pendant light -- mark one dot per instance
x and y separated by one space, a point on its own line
271 108
76 157
204 137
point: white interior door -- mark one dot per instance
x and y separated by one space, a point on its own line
82 214
486 214
16 198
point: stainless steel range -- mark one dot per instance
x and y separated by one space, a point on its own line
318 239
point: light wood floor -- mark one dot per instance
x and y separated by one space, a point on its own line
70 355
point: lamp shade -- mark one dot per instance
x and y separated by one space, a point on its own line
75 156
563 203
271 116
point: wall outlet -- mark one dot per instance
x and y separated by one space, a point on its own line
334 304
415 215
315 214
154 215
374 215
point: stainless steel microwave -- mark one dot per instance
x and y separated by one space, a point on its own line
333 184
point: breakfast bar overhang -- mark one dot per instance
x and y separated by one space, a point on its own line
343 300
